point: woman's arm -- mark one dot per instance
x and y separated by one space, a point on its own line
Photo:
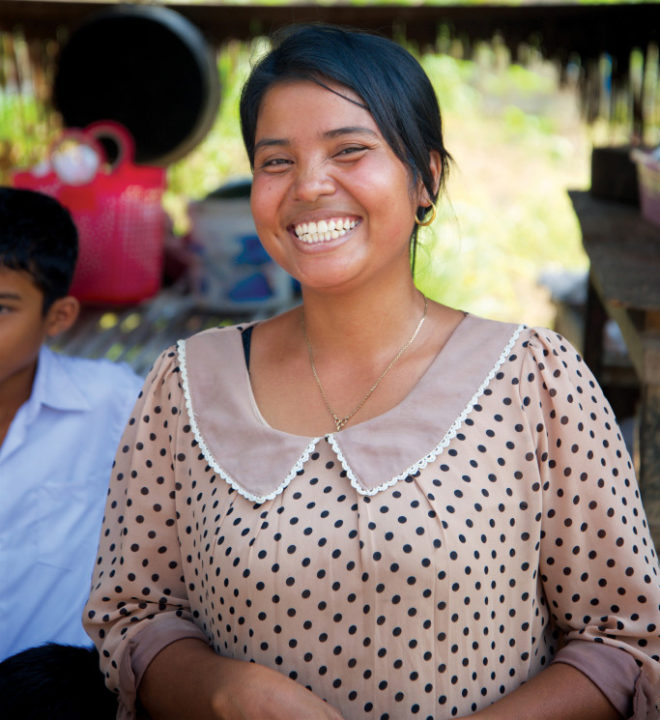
139 613
138 601
597 564
188 680
560 692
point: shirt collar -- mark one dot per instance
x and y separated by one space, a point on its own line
54 384
259 461
53 387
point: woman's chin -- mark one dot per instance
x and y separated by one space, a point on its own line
331 280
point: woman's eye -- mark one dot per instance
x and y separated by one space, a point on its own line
351 151
275 164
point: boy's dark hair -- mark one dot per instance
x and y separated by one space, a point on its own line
55 682
391 83
38 236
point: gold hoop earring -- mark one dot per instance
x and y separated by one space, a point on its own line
426 223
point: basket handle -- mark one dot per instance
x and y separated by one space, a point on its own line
119 134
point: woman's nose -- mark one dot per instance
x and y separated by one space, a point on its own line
312 181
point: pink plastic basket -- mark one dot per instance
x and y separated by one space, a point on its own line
118 212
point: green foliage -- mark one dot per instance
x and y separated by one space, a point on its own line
518 144
27 130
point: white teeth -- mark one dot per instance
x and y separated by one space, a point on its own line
324 230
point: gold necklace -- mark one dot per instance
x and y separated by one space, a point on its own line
340 422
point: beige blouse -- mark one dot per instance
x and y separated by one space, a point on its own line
420 564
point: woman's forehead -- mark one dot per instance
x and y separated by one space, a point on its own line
324 83
303 102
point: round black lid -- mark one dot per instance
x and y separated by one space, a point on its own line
145 67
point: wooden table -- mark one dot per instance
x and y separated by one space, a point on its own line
624 251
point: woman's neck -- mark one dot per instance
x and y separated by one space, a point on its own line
363 323
363 351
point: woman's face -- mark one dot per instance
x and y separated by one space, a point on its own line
332 203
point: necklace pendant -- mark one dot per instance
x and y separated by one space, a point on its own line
340 422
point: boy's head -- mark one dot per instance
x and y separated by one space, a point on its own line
38 237
38 249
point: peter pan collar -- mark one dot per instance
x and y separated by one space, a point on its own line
259 461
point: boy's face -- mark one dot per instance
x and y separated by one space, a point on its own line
23 326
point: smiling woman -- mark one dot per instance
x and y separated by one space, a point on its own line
333 168
373 505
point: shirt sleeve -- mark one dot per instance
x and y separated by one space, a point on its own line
598 564
612 670
138 601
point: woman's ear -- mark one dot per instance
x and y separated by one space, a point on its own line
435 165
61 315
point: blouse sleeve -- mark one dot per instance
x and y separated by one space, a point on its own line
138 602
598 564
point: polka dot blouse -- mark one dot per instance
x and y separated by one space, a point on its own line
420 564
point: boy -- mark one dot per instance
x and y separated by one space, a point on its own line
61 419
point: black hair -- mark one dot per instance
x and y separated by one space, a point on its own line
388 79
58 682
38 236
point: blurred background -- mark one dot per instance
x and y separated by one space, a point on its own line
521 120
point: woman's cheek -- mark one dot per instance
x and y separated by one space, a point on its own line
264 200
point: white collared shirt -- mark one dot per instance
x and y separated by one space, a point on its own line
54 468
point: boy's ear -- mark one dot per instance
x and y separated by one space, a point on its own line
61 315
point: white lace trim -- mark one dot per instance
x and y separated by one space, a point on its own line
449 435
181 350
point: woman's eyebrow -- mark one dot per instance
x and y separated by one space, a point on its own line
349 130
270 142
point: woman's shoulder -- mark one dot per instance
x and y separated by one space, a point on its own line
484 339
214 337
205 349
553 354
493 349
520 338
207 355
